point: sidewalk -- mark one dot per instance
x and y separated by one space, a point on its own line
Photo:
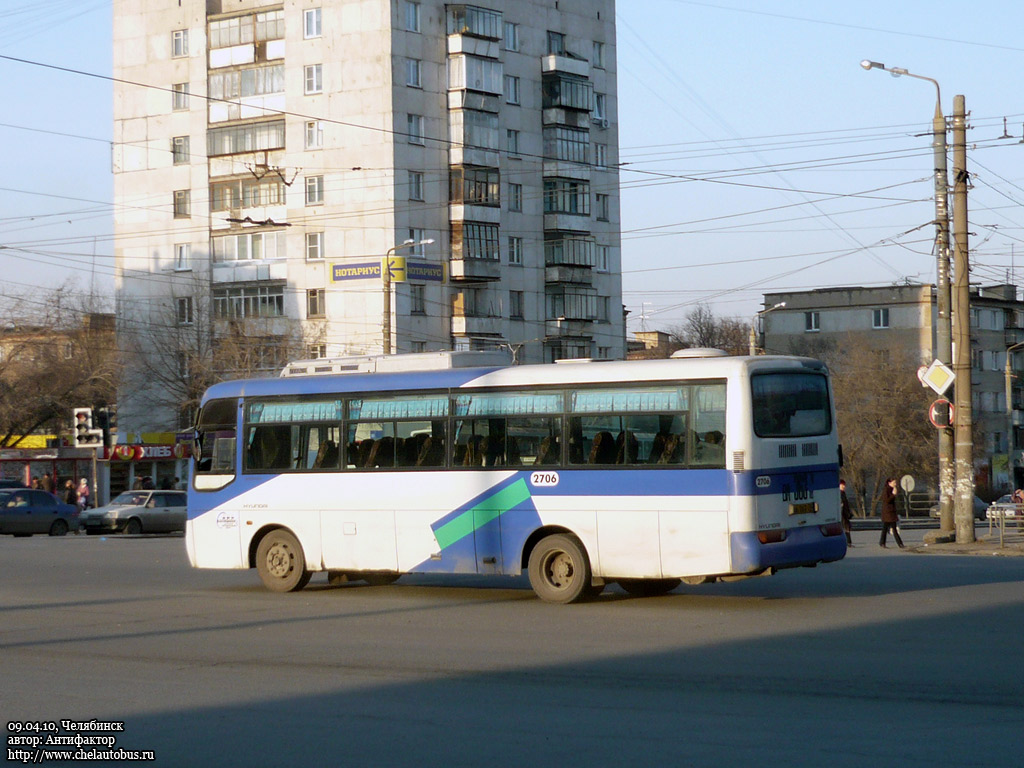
986 538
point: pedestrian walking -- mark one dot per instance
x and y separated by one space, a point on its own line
890 518
844 508
70 494
47 483
83 494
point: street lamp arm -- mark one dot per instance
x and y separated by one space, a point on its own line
900 71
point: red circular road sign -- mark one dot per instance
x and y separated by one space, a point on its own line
941 411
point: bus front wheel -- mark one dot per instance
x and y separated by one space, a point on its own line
559 569
281 563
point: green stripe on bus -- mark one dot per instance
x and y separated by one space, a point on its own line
483 513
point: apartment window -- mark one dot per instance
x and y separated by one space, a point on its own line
569 144
571 250
314 245
314 190
417 236
515 197
511 89
475 186
182 257
315 302
239 301
556 43
316 351
246 193
880 318
182 203
270 25
314 74
812 322
179 43
477 241
311 27
314 134
415 129
412 17
601 258
248 246
511 36
254 137
417 299
600 107
515 304
474 21
512 143
415 185
179 96
179 150
252 81
413 69
184 310
474 73
600 155
598 58
566 196
603 205
515 250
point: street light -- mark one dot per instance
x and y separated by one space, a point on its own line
385 274
943 298
753 326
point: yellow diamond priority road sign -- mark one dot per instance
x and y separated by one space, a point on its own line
938 376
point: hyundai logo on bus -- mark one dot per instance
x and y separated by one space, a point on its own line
402 270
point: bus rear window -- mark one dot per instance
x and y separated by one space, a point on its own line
790 404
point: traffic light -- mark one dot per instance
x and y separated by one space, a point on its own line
105 419
83 434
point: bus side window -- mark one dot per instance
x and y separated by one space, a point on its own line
269 447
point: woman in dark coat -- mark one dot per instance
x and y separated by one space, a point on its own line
889 515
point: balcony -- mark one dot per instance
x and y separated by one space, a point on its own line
474 270
569 275
471 325
567 328
565 64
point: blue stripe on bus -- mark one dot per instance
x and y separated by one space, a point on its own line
803 546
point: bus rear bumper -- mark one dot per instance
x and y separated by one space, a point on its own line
802 546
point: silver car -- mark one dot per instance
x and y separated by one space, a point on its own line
139 512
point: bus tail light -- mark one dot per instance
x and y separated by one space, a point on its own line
771 537
832 529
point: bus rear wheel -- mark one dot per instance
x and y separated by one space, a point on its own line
649 587
559 570
281 563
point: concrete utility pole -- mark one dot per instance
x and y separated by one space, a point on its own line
943 305
964 449
943 299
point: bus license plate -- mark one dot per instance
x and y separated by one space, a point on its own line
810 508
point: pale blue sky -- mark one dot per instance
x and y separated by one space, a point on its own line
758 155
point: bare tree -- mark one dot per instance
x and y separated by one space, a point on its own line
702 328
58 351
184 348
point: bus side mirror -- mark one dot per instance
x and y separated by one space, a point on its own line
840 456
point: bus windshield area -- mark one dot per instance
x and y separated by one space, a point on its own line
215 438
790 404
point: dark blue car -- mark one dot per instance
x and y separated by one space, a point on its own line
25 511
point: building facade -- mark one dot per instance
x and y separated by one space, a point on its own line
904 317
269 154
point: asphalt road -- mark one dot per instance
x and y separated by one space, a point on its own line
887 658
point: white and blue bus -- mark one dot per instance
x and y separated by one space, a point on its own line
645 473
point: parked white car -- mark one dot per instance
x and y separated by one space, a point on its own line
139 512
1004 506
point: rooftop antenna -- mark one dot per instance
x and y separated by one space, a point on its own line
643 315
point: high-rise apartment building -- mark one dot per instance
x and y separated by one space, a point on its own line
269 154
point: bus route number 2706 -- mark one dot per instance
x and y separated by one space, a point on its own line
544 479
